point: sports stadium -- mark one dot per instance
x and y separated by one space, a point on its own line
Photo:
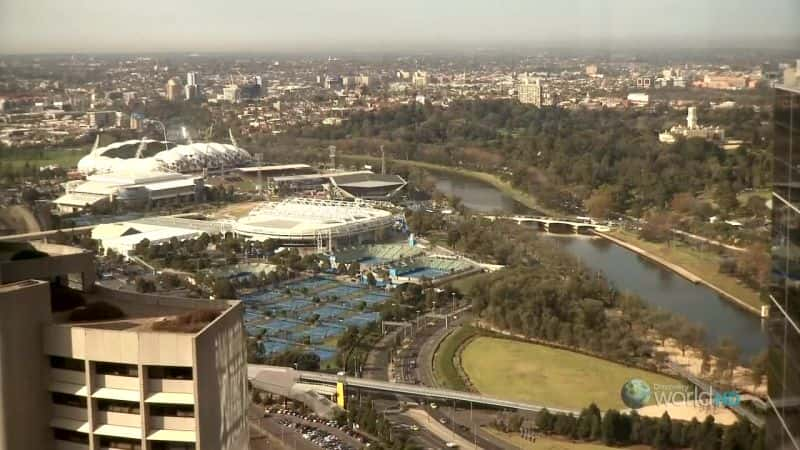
310 222
148 156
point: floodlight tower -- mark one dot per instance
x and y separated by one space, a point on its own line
332 153
383 161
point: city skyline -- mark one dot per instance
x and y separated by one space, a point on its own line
47 26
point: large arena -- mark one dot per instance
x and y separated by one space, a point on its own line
147 156
309 222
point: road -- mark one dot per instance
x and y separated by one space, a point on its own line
424 419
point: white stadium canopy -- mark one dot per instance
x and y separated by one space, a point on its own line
181 158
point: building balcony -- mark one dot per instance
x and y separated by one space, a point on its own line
172 423
119 419
170 386
70 412
66 445
67 376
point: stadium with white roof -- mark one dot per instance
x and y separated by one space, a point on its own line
310 222
130 156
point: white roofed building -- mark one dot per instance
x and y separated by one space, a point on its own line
131 156
308 222
133 189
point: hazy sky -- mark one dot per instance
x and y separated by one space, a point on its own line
270 25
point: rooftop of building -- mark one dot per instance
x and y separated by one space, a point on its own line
17 251
368 180
308 215
134 312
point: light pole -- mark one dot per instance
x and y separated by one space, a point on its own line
453 295
163 128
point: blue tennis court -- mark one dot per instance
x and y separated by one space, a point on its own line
339 291
263 296
324 353
363 319
277 325
427 272
326 312
373 298
291 305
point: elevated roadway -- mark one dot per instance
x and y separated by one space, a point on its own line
273 379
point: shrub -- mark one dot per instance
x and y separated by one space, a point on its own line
190 322
64 299
96 311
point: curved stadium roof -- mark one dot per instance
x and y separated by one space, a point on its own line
180 158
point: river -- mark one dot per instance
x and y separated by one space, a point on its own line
627 271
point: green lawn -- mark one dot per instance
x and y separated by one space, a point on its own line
547 443
703 264
443 368
64 157
539 374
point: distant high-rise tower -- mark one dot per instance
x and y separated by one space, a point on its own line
691 118
173 89
530 90
191 90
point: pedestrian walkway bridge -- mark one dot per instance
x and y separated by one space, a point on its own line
281 380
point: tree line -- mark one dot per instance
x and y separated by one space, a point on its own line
616 429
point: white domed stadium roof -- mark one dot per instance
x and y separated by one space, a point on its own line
181 158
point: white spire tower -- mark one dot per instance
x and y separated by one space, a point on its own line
691 118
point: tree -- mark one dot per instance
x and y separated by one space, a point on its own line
657 227
756 206
663 439
223 289
683 203
600 203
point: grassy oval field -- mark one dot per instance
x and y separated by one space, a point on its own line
540 374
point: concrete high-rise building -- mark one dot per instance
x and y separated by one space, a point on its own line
192 89
791 75
160 373
783 325
102 119
137 120
691 118
173 90
530 90
591 70
231 93
420 79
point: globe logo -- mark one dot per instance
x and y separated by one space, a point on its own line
635 393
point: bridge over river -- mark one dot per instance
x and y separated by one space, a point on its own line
576 225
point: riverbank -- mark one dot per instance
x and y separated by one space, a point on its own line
695 266
488 178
